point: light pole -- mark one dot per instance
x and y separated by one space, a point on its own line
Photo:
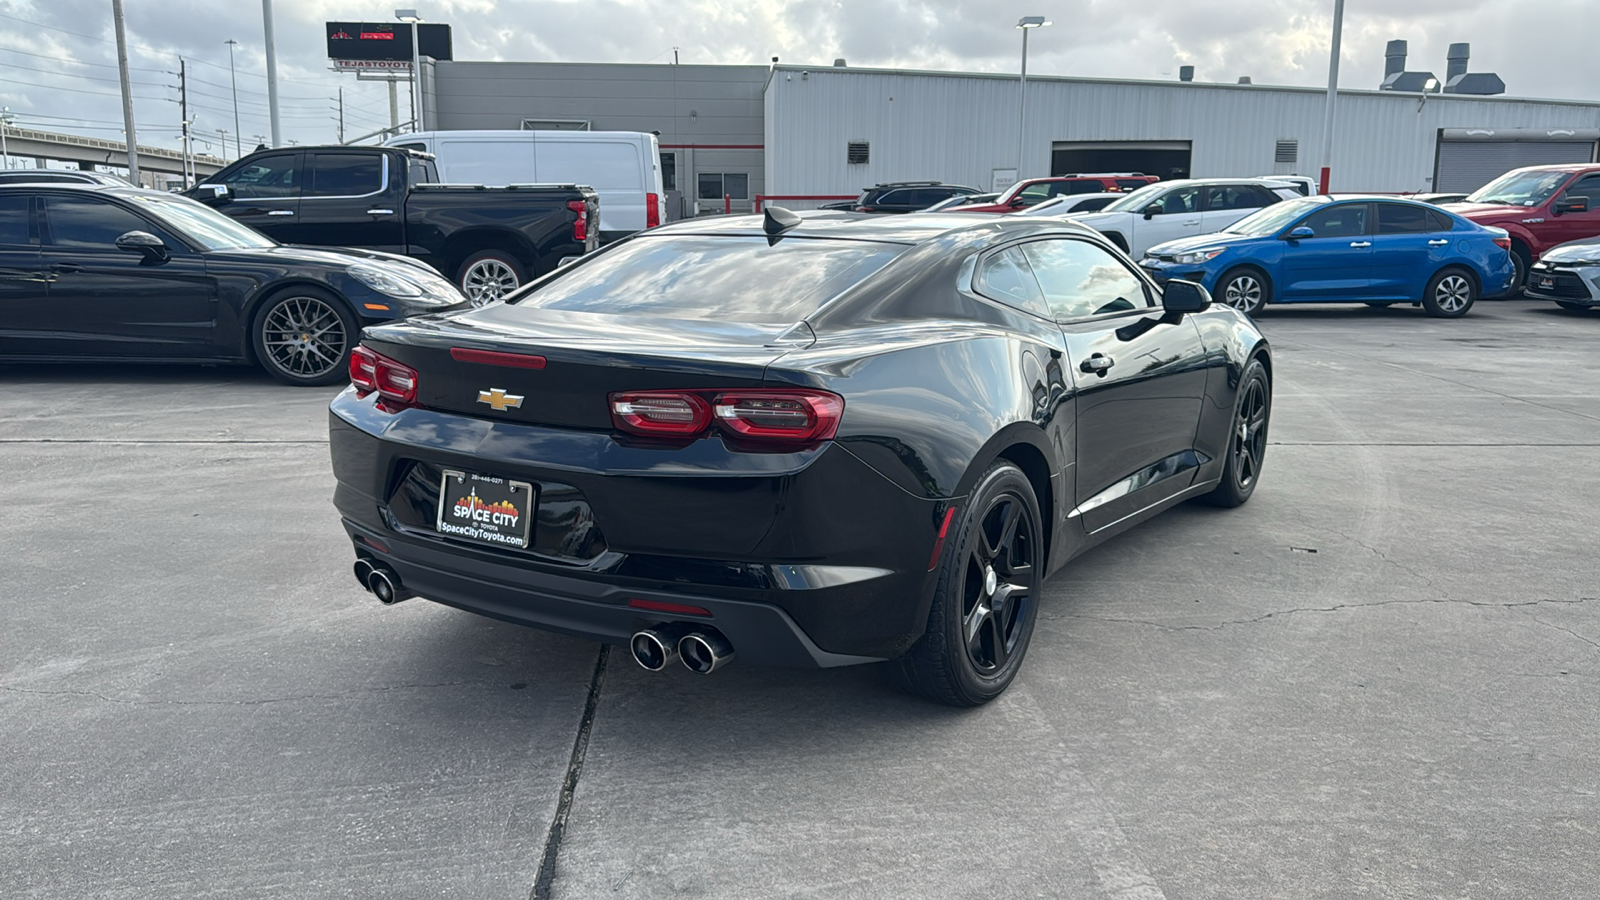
272 72
410 15
234 79
1026 24
1333 95
5 125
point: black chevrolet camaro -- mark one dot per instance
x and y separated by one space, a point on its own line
812 441
91 272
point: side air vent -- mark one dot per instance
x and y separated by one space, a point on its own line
856 153
1286 152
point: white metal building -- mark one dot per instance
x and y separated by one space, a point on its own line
962 128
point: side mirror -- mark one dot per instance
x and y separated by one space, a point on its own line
143 242
1152 210
1018 202
1299 233
213 194
1184 297
1577 204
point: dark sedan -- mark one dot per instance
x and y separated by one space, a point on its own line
108 273
813 441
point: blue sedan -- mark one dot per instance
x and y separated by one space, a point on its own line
1372 250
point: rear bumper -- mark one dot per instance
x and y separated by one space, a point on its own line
804 559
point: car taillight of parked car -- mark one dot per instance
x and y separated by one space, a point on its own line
1504 243
652 210
580 225
395 383
787 416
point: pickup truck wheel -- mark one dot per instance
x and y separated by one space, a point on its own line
489 275
303 336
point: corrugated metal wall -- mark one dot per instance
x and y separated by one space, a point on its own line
959 128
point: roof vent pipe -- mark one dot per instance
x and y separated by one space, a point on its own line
1394 59
1186 73
1245 79
1456 61
839 63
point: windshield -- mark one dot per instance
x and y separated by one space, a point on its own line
1271 219
1138 199
202 224
737 279
1520 188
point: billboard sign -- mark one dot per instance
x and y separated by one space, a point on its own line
350 44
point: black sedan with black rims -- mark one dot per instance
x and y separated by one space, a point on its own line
125 274
810 441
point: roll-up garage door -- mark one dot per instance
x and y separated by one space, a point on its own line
1469 165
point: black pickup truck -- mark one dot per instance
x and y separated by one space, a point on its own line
489 240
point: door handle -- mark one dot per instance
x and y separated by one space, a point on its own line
1439 243
1098 364
1192 222
380 212
281 212
66 268
1360 244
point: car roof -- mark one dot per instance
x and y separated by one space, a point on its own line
841 225
87 188
1563 167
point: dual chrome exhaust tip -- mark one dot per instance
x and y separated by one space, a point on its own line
382 581
701 650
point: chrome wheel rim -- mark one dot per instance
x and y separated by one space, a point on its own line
305 337
997 584
1242 292
1452 293
488 280
1250 433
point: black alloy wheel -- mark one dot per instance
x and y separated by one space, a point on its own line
304 336
1450 294
1244 289
1247 439
986 602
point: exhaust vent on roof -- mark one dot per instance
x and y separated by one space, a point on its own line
839 63
1244 79
1286 152
1186 73
856 153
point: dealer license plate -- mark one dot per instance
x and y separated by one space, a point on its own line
487 509
1544 281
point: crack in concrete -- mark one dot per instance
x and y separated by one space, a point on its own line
262 701
1339 607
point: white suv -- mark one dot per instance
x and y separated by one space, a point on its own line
1168 210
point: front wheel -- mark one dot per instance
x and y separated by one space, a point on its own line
1449 295
1244 289
986 601
1247 439
304 336
490 275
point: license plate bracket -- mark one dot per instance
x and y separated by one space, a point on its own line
486 509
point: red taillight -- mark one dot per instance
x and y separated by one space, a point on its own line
661 413
652 210
784 415
580 225
394 382
681 609
1504 243
497 358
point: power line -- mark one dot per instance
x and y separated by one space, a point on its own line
56 87
78 62
86 77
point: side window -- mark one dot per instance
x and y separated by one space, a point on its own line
890 198
1237 196
14 219
1587 186
1397 218
90 223
1441 222
1345 220
268 176
1007 278
346 174
1080 279
1034 193
1178 201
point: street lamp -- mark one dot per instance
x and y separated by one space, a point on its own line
1026 24
410 15
235 80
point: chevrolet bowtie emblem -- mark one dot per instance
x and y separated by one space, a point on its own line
499 400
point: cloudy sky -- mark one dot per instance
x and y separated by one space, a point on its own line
57 57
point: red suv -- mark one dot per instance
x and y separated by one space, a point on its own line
1541 206
1026 193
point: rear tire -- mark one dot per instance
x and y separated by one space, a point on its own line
1520 263
986 601
1247 439
489 275
1245 289
1450 294
303 336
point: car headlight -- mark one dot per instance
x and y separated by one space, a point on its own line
1196 257
386 282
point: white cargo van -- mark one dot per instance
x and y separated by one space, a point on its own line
623 167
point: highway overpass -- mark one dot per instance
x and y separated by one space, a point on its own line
89 152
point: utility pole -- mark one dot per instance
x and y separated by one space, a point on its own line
127 93
183 105
234 79
341 115
394 107
1333 96
223 133
272 73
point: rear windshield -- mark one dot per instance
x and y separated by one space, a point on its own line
739 279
